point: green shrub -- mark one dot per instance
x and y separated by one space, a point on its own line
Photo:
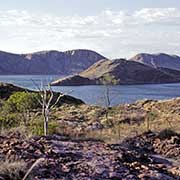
37 127
9 120
21 101
53 127
167 134
18 107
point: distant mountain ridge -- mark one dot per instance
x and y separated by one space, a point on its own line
75 61
48 62
120 71
158 60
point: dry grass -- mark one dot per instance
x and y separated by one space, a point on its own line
12 170
22 130
125 120
29 171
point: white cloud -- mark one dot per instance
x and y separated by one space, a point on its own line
114 34
158 15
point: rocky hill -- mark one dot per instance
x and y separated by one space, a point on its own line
48 62
158 60
6 90
120 71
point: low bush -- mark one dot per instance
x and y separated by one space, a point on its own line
167 134
36 127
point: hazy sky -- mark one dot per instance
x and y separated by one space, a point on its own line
114 28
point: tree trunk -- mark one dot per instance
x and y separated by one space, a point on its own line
46 119
148 123
45 127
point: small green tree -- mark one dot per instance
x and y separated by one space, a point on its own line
23 103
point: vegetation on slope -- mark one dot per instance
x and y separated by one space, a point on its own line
84 142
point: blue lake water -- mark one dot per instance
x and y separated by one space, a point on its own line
97 94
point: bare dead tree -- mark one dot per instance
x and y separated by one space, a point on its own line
48 101
107 101
109 96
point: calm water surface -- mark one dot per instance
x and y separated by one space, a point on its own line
96 94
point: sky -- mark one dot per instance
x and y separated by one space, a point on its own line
114 28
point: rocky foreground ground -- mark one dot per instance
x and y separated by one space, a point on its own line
147 156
